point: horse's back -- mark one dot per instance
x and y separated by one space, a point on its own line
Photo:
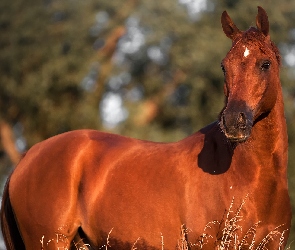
61 161
65 152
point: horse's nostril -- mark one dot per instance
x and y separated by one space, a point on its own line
241 121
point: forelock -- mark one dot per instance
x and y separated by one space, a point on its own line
255 36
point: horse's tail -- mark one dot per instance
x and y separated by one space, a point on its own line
11 234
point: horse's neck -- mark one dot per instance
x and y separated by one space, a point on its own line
270 134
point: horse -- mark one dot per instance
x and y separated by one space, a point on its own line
223 186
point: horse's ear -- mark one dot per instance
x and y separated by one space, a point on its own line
228 26
262 21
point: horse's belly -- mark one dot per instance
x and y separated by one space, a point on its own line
130 212
138 228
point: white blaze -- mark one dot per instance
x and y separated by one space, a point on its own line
247 52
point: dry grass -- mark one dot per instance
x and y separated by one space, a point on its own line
230 236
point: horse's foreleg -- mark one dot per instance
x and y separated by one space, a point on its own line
81 241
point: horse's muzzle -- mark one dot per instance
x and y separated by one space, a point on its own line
236 124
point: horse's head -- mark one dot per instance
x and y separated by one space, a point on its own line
251 74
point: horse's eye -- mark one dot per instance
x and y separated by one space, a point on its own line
265 65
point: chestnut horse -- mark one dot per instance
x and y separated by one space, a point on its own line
92 190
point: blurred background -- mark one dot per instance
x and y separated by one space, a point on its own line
142 68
